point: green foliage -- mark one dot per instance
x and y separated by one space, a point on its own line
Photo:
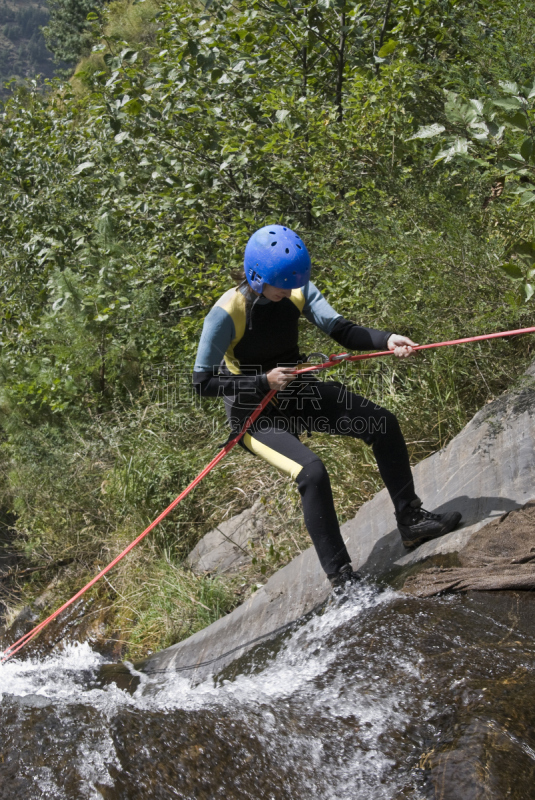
127 197
497 134
171 605
68 33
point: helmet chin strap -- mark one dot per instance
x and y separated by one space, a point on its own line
245 282
251 311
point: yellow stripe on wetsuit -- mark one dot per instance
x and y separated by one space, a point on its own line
276 459
233 302
298 299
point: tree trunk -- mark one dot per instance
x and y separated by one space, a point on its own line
340 67
308 208
383 30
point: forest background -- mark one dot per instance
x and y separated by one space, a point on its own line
396 137
42 38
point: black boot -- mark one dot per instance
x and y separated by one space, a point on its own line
344 578
417 525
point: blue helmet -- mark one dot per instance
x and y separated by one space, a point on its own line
277 256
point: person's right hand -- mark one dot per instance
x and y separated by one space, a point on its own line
280 377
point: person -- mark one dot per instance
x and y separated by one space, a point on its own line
249 345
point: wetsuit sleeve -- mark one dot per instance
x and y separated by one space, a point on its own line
210 384
354 337
317 310
217 334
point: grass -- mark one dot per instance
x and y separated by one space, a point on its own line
164 603
126 21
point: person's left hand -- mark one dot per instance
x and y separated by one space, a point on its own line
401 345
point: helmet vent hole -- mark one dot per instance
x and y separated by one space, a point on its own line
273 244
286 250
273 232
284 229
299 246
294 273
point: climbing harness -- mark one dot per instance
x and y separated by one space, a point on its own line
332 361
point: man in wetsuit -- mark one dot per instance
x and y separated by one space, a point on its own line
249 345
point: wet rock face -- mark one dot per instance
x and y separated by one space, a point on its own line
86 620
381 698
39 762
486 762
226 549
486 747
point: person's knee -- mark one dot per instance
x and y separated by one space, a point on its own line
382 425
313 474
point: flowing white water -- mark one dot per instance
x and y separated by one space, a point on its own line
64 676
384 697
326 718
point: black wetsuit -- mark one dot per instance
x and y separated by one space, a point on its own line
241 342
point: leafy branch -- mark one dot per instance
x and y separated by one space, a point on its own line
498 135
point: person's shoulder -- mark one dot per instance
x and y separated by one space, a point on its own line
303 297
230 304
233 302
311 292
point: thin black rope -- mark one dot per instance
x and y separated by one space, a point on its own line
249 643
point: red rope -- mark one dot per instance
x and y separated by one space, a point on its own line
333 361
336 359
19 644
